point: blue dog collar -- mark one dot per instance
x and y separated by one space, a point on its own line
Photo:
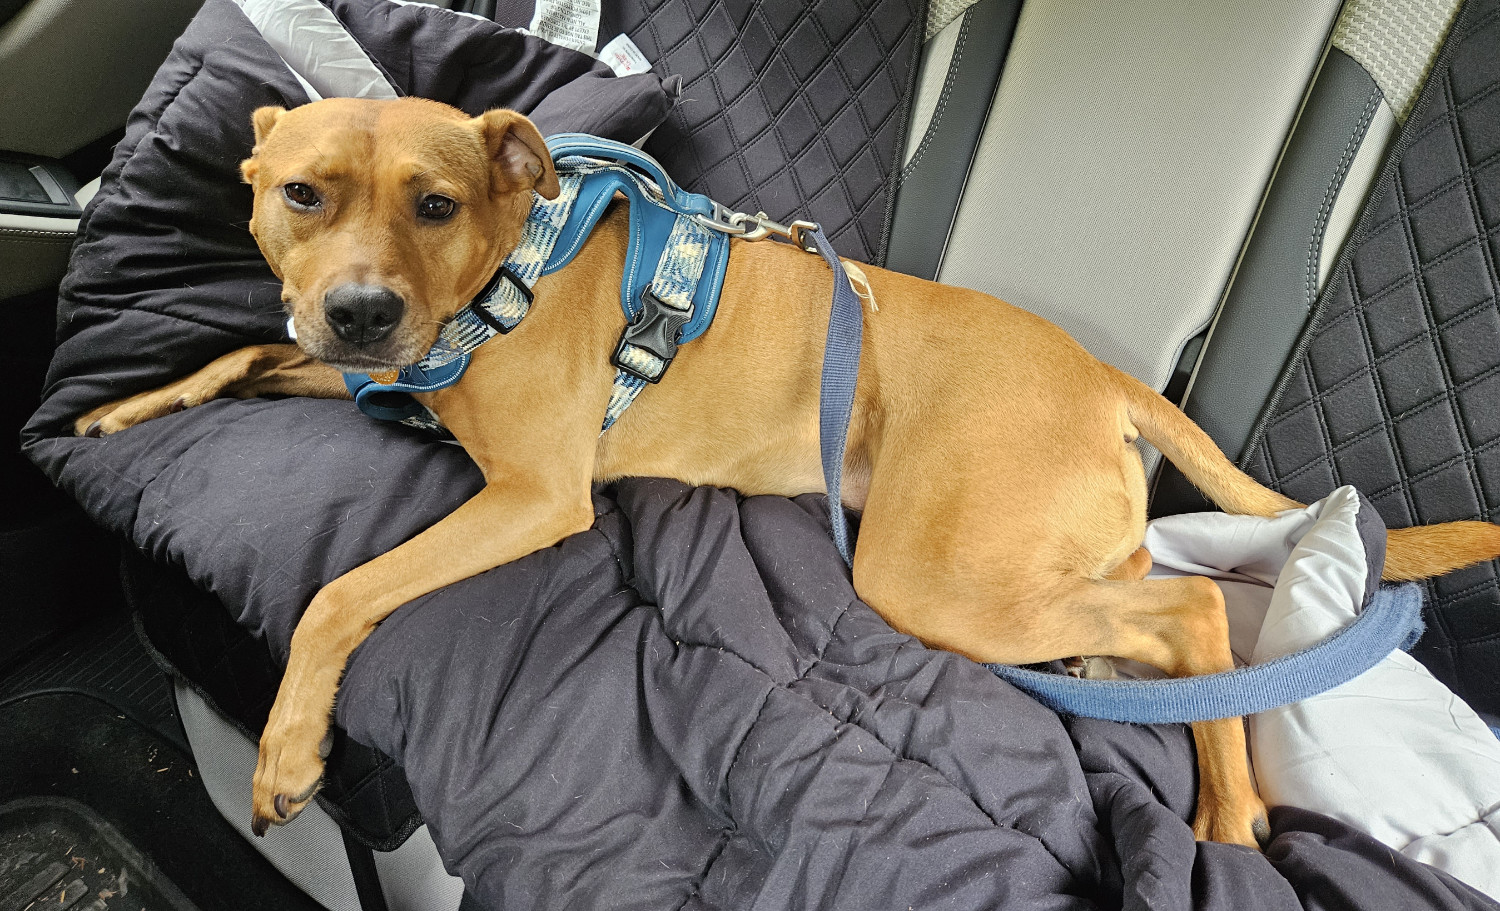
674 273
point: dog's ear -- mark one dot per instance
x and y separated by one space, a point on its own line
264 120
518 155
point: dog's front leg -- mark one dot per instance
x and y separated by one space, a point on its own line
507 520
242 373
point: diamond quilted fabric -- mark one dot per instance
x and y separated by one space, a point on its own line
795 109
1395 388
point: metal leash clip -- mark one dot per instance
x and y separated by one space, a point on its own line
759 226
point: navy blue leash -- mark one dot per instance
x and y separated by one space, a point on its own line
836 393
1392 619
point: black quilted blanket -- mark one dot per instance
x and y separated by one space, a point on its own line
685 706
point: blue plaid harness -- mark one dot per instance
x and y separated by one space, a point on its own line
674 272
687 236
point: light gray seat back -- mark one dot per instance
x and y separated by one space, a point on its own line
1380 55
1140 171
1123 160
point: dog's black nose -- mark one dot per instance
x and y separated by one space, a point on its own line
362 314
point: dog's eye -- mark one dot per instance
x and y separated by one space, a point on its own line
301 196
435 207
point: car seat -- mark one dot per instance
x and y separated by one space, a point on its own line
1167 181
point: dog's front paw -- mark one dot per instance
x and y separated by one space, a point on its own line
137 409
290 769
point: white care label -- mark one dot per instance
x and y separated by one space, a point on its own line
623 56
569 23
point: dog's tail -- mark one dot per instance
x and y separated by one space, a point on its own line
1411 553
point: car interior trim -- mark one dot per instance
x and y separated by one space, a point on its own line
927 197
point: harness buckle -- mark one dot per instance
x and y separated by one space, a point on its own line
654 331
477 304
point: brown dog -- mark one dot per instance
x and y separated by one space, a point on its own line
1004 505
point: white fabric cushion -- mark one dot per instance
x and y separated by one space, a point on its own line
1392 752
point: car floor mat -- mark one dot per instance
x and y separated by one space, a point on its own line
57 853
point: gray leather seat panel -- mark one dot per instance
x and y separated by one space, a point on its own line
1124 159
1278 279
933 180
71 70
932 76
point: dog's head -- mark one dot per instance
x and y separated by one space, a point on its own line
384 218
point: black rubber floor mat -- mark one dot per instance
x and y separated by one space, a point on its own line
78 748
106 661
58 854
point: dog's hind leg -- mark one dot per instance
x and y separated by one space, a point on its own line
1099 667
242 373
1177 625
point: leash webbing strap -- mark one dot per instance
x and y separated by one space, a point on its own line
1392 620
836 391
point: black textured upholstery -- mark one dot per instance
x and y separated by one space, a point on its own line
795 109
1395 387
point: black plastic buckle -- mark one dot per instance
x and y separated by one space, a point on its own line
655 329
486 316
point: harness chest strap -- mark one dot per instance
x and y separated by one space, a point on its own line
649 344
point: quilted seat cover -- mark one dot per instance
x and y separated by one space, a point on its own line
1395 387
795 109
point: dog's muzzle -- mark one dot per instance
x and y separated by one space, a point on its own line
362 314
